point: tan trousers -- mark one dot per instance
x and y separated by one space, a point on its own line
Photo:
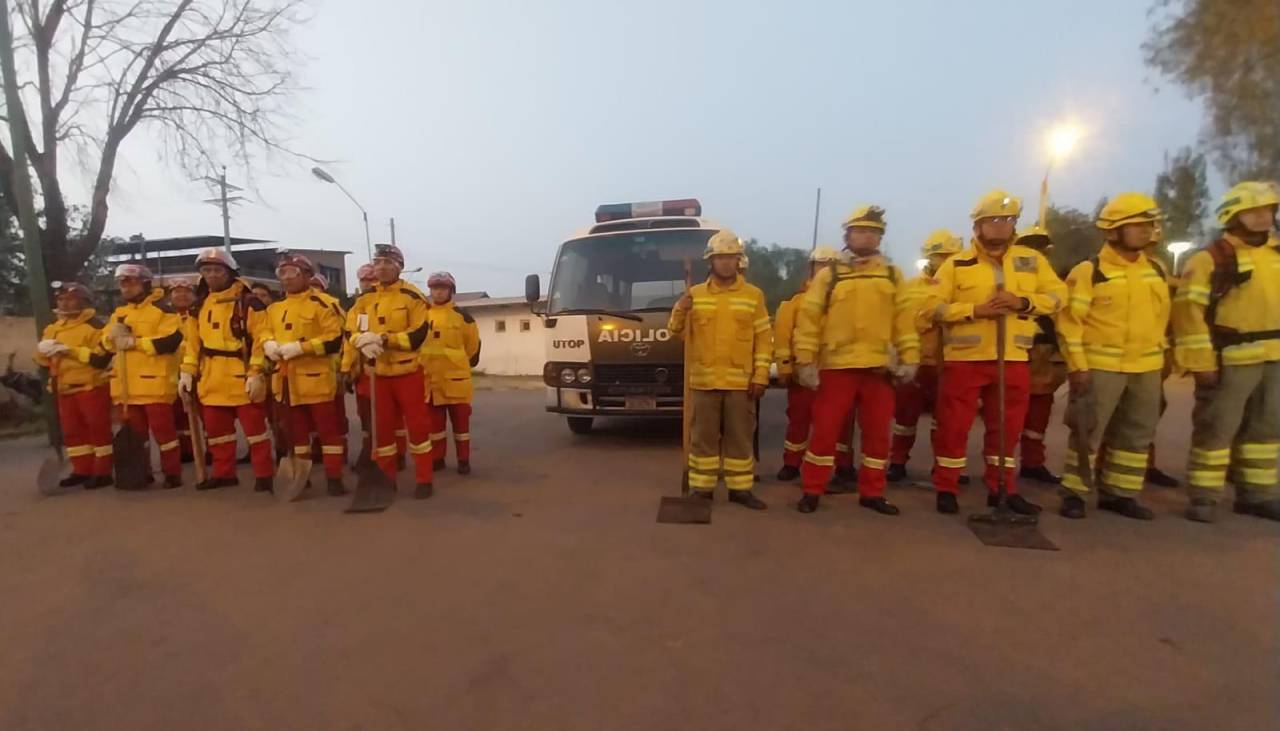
723 425
1236 429
1126 410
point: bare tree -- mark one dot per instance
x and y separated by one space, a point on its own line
211 79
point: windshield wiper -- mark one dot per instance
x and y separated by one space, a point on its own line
594 311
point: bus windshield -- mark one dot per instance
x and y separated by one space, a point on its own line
640 270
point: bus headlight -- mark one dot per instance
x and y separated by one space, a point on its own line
567 376
584 376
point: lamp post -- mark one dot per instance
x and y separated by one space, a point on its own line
1060 142
326 177
1178 248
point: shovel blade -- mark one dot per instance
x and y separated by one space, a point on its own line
374 492
684 510
1010 530
293 477
132 462
49 476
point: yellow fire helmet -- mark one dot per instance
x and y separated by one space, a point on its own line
723 242
1036 237
823 255
942 241
870 216
1246 195
1128 208
997 203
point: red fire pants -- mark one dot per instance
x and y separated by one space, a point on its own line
86 430
323 419
967 382
362 411
220 436
183 427
402 402
1039 406
159 419
800 421
867 391
460 416
911 401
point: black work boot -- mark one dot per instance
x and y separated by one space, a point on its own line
99 482
1269 509
172 482
1039 474
1072 507
423 491
788 473
843 481
464 468
213 483
335 488
1202 510
1126 506
437 466
895 473
1016 503
879 504
808 503
1159 479
964 479
73 479
947 503
746 499
263 484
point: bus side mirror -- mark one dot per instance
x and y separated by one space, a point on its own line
532 289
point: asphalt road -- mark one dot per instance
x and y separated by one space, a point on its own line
539 593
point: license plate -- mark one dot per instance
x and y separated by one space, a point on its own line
641 403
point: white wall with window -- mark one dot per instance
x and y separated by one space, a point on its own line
511 337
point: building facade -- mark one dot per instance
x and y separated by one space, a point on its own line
513 342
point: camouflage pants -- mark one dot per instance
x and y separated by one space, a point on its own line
1236 431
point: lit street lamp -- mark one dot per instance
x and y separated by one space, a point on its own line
1178 248
921 264
326 177
1060 143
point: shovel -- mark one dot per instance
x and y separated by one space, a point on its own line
50 473
685 509
131 459
197 438
293 476
1002 527
375 491
1080 418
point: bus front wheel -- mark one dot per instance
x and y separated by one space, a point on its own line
580 424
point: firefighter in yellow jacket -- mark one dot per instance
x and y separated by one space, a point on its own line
145 335
799 398
182 298
302 334
993 279
1048 372
452 349
725 323
71 348
223 365
1226 324
852 320
1112 331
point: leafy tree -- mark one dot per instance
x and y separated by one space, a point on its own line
14 297
778 271
1226 52
1182 190
1075 237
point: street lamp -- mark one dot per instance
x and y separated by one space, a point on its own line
921 264
326 177
1060 142
1178 248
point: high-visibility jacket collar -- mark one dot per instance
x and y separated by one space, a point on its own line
80 317
155 295
714 285
1238 243
1111 257
980 251
303 295
446 306
395 286
233 291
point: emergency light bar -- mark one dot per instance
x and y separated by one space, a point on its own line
648 209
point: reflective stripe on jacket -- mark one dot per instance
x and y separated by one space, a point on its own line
1116 314
851 321
452 348
398 310
1251 306
84 367
151 364
306 318
731 337
227 346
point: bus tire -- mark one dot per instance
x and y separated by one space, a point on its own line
580 424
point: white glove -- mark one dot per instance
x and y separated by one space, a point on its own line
125 342
364 339
905 372
807 375
256 387
50 348
271 349
289 351
372 350
186 383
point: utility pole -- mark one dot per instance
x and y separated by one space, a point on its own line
393 231
224 201
817 209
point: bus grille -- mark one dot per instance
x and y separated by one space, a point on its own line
646 374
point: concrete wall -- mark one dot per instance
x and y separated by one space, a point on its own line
18 334
515 352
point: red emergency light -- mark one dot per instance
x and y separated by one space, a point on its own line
648 209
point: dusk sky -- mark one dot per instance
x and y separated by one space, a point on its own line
491 131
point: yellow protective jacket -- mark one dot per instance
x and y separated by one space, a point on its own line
398 310
452 349
1246 318
309 319
227 346
84 367
969 279
1117 314
728 330
151 364
784 327
917 294
851 314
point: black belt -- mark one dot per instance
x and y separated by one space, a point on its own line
215 353
1223 338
